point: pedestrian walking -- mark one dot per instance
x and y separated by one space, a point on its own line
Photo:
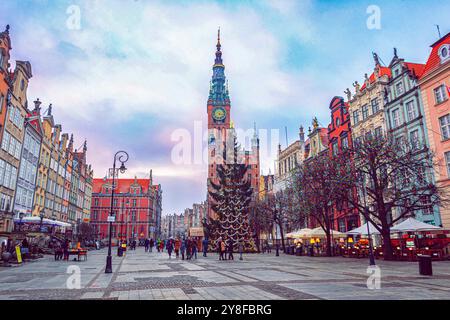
151 244
205 246
147 244
230 249
188 249
219 247
183 249
66 245
58 251
194 249
177 247
241 249
169 247
161 246
223 248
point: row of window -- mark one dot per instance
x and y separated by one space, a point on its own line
11 145
8 175
24 197
32 145
411 114
27 171
116 202
374 106
16 117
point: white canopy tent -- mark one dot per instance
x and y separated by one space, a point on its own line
319 232
363 229
412 225
302 233
45 221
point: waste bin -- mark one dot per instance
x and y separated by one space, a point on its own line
425 267
119 251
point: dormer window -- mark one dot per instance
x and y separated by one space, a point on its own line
444 53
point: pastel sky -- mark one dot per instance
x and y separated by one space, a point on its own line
137 71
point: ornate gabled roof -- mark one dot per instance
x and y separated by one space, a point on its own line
434 61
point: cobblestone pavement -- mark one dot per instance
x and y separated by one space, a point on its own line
148 276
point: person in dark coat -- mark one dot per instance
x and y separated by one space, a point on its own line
66 245
230 249
151 244
169 247
188 249
205 246
183 248
146 244
194 249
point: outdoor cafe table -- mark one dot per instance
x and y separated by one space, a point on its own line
79 253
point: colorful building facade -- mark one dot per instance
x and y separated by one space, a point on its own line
6 216
344 217
366 106
405 118
434 85
287 161
137 208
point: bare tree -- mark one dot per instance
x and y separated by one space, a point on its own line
317 190
393 179
260 218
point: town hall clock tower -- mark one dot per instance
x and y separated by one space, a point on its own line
221 129
218 114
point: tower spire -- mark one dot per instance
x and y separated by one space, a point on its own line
218 60
218 93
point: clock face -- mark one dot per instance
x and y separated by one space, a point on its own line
219 114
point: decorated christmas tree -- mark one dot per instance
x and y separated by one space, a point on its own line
231 200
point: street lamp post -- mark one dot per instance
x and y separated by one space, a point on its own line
20 221
122 156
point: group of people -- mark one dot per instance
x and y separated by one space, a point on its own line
225 247
188 248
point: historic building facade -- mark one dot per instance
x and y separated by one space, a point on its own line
6 216
435 91
221 130
405 117
26 182
137 208
317 142
287 160
344 217
366 106
14 133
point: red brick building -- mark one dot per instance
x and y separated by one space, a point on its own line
344 217
137 208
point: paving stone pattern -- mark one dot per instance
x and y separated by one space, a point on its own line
153 276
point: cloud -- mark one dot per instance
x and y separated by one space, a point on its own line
128 80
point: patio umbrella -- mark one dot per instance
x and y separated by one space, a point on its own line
363 229
319 232
413 225
302 233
